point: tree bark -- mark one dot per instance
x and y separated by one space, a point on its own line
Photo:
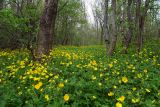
106 33
47 23
102 33
141 14
1 4
127 37
114 31
138 7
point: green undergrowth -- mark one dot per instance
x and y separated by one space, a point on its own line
81 77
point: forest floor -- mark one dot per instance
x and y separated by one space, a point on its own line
81 77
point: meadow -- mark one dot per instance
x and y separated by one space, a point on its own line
81 77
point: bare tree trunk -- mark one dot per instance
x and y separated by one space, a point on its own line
102 31
1 4
47 23
127 37
141 18
97 28
106 33
138 7
114 31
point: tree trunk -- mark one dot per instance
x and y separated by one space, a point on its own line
106 33
138 5
1 4
127 37
114 31
102 31
47 24
141 18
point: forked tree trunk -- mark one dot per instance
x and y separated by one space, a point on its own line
127 37
47 24
114 31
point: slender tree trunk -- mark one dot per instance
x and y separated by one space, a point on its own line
114 31
138 7
31 23
102 31
127 37
47 23
1 4
141 18
106 33
97 29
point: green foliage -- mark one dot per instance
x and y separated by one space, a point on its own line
70 19
18 29
84 75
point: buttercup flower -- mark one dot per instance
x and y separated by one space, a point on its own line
46 97
110 94
60 85
37 86
121 99
66 97
125 79
118 104
135 100
111 65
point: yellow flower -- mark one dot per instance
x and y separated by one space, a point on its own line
66 81
56 76
129 93
36 79
46 97
94 63
37 86
101 75
60 85
135 100
93 77
70 62
148 90
114 86
121 99
46 76
118 104
139 75
100 84
95 68
110 94
127 63
111 65
66 97
94 97
134 88
22 63
125 79
145 70
20 93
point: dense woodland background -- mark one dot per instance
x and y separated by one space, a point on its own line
117 21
